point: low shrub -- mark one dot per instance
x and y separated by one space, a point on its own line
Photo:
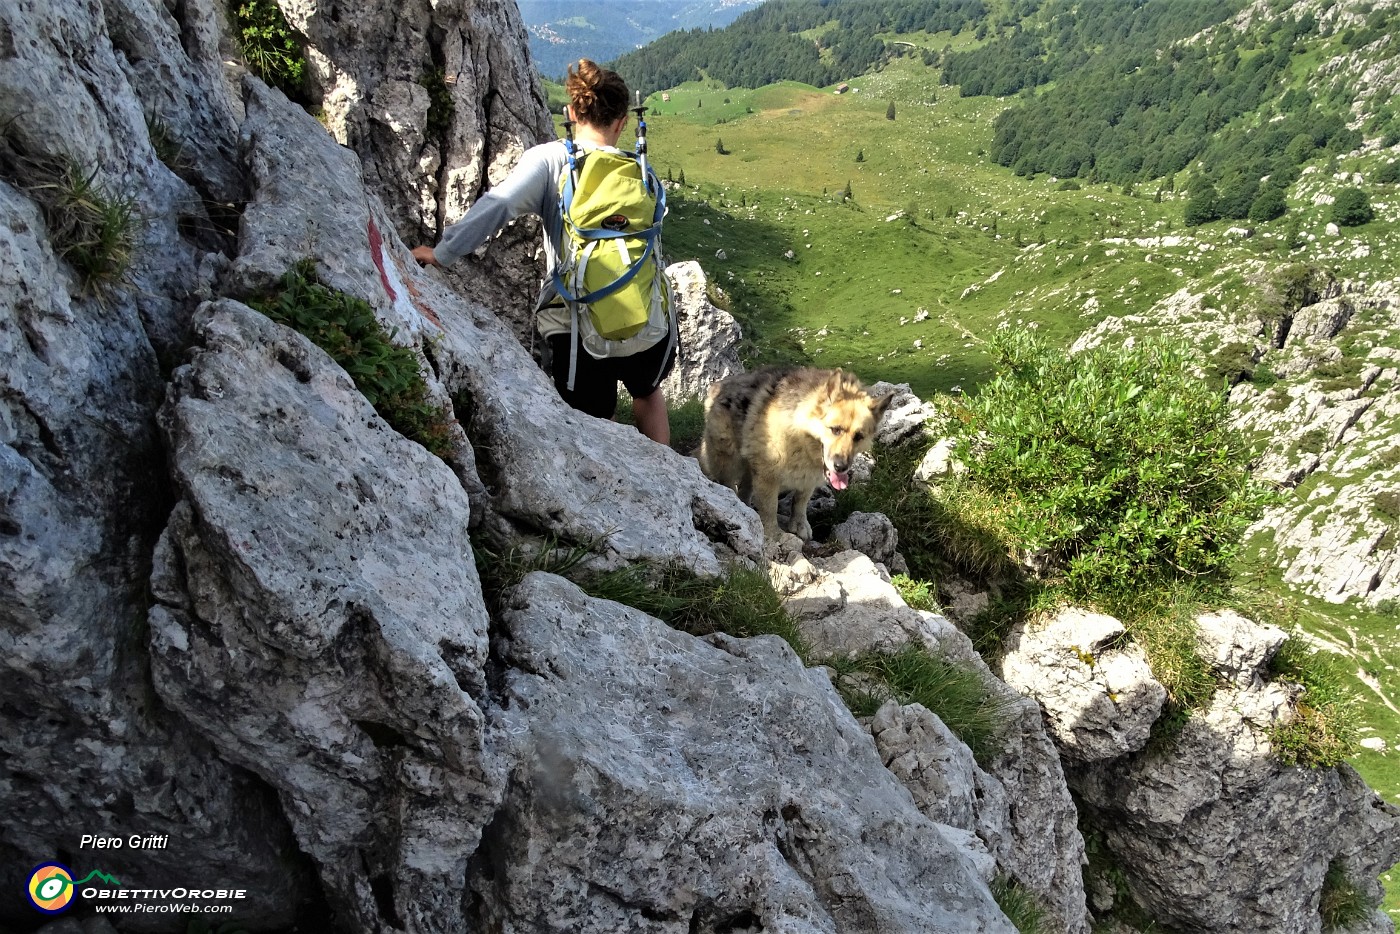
270 47
1021 907
386 373
1116 469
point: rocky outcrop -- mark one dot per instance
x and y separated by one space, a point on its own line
1019 820
643 799
709 336
438 101
1212 833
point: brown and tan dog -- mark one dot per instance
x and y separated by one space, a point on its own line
787 428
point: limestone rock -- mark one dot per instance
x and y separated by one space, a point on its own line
320 620
376 68
1097 690
647 800
1239 649
1215 835
844 608
84 747
939 770
872 534
709 337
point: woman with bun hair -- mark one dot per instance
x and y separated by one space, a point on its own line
598 105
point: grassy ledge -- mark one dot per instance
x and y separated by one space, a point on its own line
386 373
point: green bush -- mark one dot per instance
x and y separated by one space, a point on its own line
386 373
1117 467
1352 208
441 107
1323 730
1389 173
273 52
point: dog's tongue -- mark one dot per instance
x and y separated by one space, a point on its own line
837 479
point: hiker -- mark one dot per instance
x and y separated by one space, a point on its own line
587 365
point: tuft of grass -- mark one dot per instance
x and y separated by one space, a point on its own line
386 373
270 47
1019 905
742 603
167 148
1342 904
961 697
687 423
91 227
1163 622
1323 731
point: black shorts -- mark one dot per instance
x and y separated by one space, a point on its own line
595 382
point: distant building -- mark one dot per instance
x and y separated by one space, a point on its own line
842 88
665 98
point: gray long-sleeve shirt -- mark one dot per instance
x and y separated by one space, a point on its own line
532 187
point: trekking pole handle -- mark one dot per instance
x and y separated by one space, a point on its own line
640 110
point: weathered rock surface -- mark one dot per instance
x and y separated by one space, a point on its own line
320 620
1213 833
844 608
908 417
1238 648
1095 686
375 70
647 800
1216 835
84 745
873 535
709 337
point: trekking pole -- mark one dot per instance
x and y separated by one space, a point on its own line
570 145
641 112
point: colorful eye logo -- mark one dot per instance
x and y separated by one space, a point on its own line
51 887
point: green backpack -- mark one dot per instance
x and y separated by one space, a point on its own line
610 272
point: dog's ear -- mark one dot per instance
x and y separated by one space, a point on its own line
834 384
879 405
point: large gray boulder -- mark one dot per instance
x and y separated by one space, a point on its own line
672 784
319 618
709 336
